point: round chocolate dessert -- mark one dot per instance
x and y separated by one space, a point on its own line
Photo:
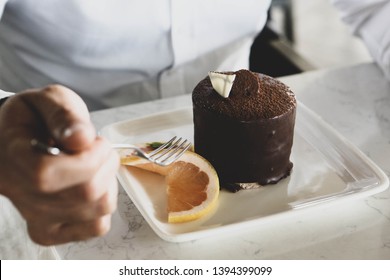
246 128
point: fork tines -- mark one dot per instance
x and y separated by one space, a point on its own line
170 151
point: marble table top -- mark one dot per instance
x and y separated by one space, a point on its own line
355 100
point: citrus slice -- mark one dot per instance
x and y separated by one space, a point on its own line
193 185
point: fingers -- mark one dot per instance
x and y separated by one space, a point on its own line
53 112
63 198
65 115
75 224
48 174
69 187
56 208
63 233
75 213
95 188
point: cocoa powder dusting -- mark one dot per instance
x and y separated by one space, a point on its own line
253 96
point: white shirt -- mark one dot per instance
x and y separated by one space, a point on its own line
370 19
116 52
4 95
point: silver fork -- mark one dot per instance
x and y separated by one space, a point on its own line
164 155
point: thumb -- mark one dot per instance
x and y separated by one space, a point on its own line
65 116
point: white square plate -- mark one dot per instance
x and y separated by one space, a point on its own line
327 169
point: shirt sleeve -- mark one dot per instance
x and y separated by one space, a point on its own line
2 5
5 94
370 20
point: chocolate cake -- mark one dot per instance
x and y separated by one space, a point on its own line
246 130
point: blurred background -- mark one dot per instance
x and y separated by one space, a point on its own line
305 35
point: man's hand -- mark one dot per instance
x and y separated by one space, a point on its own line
63 198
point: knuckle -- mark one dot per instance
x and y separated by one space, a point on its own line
53 88
58 113
41 240
103 175
105 205
89 193
91 161
101 226
40 237
57 92
29 214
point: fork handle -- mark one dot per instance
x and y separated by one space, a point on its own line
54 151
124 146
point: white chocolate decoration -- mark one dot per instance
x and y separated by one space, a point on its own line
222 83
